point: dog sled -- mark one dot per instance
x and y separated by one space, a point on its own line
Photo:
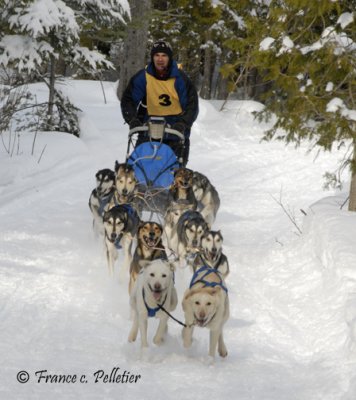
154 161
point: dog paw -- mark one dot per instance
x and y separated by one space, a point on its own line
132 337
222 351
158 340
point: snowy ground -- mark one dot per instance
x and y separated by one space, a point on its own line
292 331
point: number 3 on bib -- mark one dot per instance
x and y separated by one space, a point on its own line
165 100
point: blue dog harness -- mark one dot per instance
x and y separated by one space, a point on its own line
152 311
104 201
208 271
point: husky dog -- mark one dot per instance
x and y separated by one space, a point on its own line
191 227
149 247
125 184
154 287
211 253
101 196
182 188
171 217
207 197
206 304
120 224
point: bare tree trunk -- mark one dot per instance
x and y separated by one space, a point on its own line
222 92
52 81
352 199
133 55
205 91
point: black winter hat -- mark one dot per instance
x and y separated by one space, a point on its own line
162 47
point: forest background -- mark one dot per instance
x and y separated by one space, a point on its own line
296 57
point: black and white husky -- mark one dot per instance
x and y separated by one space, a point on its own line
206 196
101 196
120 225
211 254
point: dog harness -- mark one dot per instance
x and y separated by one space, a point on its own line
104 201
152 311
208 271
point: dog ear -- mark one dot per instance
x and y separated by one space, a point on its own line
141 224
176 171
188 293
117 166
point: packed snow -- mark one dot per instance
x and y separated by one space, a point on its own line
290 244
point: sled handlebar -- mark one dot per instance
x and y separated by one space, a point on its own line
146 128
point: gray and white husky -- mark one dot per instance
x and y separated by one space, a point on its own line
171 217
120 224
211 254
206 196
191 227
101 196
125 185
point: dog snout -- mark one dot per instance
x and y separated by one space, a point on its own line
195 242
113 235
124 191
157 286
202 315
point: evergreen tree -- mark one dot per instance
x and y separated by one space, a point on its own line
307 49
40 32
189 26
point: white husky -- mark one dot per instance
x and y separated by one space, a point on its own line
154 287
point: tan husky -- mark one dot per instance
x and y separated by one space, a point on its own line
206 304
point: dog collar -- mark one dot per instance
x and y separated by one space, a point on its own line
152 311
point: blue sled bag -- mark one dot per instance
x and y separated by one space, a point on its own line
154 164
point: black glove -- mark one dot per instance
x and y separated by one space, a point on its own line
180 127
134 123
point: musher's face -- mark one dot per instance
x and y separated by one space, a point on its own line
160 61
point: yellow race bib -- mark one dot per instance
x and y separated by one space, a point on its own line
162 97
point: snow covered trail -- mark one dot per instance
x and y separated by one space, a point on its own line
287 336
